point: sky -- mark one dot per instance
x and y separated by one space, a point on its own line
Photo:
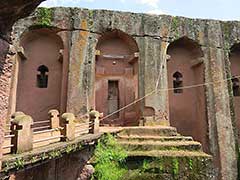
207 9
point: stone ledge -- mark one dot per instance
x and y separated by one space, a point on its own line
169 153
13 162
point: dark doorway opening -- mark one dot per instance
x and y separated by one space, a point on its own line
113 98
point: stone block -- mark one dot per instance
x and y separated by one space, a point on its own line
54 118
21 127
94 121
68 121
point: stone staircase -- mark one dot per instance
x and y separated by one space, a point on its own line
159 152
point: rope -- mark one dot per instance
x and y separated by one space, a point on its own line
167 89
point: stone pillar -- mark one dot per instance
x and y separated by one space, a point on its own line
23 133
94 121
54 118
69 126
221 134
153 78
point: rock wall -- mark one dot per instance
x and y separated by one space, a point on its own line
81 28
71 166
10 12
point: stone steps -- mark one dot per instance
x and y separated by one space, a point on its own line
158 145
154 138
168 153
161 153
149 131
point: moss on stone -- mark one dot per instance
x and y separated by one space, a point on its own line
172 168
44 17
19 163
175 27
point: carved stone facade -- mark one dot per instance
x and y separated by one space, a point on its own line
139 56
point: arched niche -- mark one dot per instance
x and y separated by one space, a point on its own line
187 106
116 78
234 57
40 74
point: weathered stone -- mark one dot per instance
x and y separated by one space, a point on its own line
69 126
86 172
81 29
94 121
54 118
23 133
11 11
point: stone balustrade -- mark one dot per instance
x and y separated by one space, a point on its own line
23 137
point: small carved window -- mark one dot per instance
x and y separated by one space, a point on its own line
235 86
177 82
42 77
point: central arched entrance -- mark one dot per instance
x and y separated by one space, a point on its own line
116 78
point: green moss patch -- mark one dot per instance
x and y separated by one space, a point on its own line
44 17
109 159
194 168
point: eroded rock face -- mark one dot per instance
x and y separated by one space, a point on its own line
80 30
86 172
11 11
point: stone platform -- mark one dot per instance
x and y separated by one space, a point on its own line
159 152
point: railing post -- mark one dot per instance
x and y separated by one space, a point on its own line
23 133
54 118
94 121
69 126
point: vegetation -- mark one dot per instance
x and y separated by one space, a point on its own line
190 163
174 27
109 158
175 166
19 163
44 17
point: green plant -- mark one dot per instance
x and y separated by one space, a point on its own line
19 163
109 158
54 154
175 165
34 159
146 165
44 156
190 164
69 149
44 16
174 26
160 165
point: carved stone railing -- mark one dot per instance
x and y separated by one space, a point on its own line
23 136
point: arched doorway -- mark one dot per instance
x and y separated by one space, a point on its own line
187 106
116 78
39 85
235 71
